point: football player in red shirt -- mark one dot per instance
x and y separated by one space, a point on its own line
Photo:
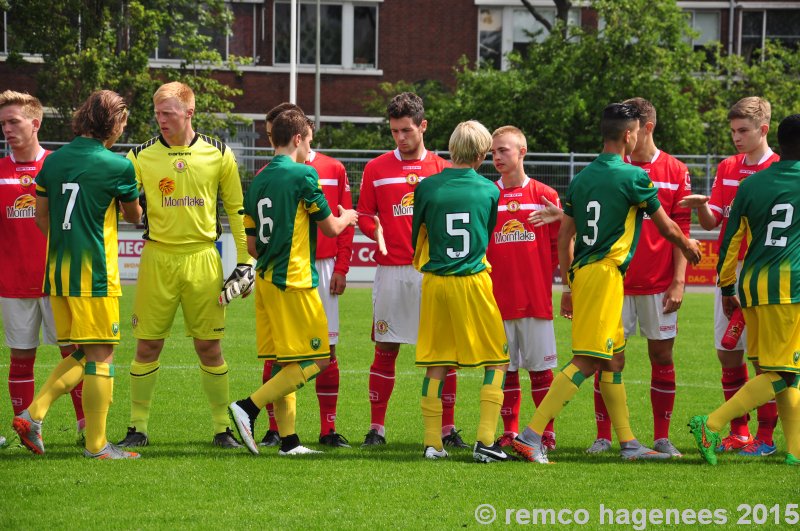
22 255
749 122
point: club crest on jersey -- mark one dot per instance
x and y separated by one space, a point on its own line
24 207
406 206
514 231
382 327
513 206
179 165
315 343
25 179
115 328
412 178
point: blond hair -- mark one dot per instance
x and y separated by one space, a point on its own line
469 142
30 106
753 108
511 130
180 91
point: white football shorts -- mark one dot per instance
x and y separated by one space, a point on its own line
329 302
531 344
396 296
648 310
22 319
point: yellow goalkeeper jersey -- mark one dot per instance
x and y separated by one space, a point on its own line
182 186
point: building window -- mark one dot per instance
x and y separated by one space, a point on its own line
707 24
502 30
348 34
776 24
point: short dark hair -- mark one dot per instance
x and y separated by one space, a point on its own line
407 104
285 106
99 115
287 124
646 109
616 119
789 137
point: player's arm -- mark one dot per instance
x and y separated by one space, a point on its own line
368 206
344 242
251 246
131 211
551 213
673 298
566 249
705 215
736 233
672 232
332 226
42 212
128 194
230 191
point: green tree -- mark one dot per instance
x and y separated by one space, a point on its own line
91 44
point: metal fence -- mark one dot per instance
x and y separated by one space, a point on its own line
554 169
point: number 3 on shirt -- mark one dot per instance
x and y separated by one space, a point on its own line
264 221
462 233
593 209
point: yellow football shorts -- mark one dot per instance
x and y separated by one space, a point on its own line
597 298
189 275
86 320
290 325
459 323
773 334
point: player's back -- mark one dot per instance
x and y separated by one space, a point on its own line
607 200
454 213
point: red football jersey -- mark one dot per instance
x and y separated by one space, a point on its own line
24 247
387 189
336 187
523 257
652 268
729 173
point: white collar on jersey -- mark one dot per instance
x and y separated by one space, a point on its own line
767 155
655 156
400 158
525 182
39 156
311 156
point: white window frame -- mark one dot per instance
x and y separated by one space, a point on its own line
693 13
348 26
765 8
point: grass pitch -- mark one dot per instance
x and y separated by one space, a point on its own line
183 482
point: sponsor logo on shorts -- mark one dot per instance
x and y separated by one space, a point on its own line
412 179
381 327
25 179
24 207
134 320
551 357
315 343
796 357
115 328
666 328
513 231
219 329
609 344
505 348
406 206
179 165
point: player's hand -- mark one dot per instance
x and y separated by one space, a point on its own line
566 304
692 251
549 214
351 216
693 201
673 297
379 236
239 284
729 305
338 283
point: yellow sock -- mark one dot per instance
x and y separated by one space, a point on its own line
563 388
143 384
98 392
432 412
754 393
789 412
288 380
67 374
214 381
616 399
285 409
491 402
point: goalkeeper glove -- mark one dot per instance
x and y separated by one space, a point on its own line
239 283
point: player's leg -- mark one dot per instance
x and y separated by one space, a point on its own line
512 390
539 358
271 437
266 350
431 403
789 412
767 414
21 320
214 382
154 306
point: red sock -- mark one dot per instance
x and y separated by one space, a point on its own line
662 398
767 420
449 402
20 383
328 394
540 385
265 376
511 400
600 412
733 380
77 392
381 384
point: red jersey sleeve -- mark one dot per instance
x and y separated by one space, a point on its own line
344 242
367 204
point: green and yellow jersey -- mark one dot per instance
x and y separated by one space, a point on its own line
455 211
82 182
763 215
281 208
181 186
608 200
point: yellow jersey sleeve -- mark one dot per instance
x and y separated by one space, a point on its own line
230 189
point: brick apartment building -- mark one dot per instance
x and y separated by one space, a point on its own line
366 42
